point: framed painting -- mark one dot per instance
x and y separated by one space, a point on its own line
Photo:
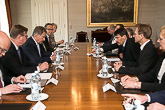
101 13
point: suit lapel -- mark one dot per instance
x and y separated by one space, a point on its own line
14 51
35 46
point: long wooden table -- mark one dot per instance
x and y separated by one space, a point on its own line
79 88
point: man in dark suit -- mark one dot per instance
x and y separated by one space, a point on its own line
32 48
12 88
158 97
148 55
47 43
128 48
154 80
19 63
110 45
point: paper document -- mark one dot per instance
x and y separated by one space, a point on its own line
43 75
24 85
38 106
113 59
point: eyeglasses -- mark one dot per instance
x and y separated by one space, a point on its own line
49 29
2 50
26 36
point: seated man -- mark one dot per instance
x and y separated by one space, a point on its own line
12 88
19 63
148 55
54 43
154 80
111 45
130 32
111 30
130 50
158 96
32 48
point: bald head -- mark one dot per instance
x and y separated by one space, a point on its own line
4 43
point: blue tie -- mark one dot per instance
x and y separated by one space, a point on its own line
19 54
38 47
123 48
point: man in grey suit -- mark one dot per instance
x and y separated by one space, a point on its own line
148 54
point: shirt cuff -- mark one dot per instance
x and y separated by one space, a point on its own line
51 57
101 49
12 80
38 69
149 98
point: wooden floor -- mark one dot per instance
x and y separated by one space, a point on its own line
79 88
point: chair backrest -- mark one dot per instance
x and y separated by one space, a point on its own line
82 37
100 35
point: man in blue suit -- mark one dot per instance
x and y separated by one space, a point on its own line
32 48
19 63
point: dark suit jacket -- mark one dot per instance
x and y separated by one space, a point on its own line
46 43
12 65
31 51
109 42
147 60
131 53
150 81
110 47
7 79
158 96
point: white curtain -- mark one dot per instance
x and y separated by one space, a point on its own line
4 26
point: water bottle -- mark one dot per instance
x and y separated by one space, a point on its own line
39 80
97 49
104 66
57 57
94 42
66 45
34 87
138 105
71 40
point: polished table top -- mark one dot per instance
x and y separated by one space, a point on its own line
79 88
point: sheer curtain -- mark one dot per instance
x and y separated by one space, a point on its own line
4 26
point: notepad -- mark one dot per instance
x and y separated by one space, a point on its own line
42 75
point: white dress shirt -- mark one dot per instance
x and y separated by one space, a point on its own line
161 71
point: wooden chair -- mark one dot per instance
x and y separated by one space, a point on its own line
81 37
100 35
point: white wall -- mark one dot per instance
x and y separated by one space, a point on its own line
150 11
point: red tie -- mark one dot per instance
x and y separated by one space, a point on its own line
1 83
50 42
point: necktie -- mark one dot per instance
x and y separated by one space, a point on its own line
50 42
19 54
38 47
1 83
123 52
123 48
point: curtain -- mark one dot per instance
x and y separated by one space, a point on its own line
8 13
4 26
